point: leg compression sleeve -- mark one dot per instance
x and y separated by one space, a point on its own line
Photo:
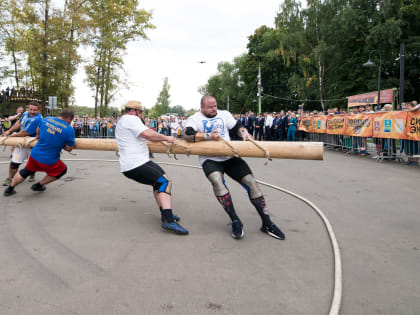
216 179
25 173
259 204
249 183
256 197
163 185
227 204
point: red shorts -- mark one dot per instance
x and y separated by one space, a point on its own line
52 170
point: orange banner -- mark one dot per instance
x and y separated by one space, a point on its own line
390 125
305 124
413 126
359 125
319 124
336 124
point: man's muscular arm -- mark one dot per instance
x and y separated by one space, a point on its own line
21 133
241 131
191 135
152 135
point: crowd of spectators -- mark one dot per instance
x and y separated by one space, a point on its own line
89 127
269 126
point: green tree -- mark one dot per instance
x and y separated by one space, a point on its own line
114 23
10 33
162 104
177 109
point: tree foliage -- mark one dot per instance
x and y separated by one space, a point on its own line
41 39
162 103
113 24
315 55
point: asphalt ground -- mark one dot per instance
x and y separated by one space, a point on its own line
92 242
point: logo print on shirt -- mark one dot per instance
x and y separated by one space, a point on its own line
214 124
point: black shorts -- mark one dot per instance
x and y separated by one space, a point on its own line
147 173
235 167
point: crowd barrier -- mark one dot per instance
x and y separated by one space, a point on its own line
87 132
389 135
390 125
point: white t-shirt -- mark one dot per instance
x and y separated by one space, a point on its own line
268 121
174 127
222 122
133 149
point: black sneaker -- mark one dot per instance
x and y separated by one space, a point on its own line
176 218
273 230
8 192
237 231
174 227
38 187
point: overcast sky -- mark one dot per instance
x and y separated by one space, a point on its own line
187 31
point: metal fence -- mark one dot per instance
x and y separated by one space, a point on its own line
88 131
378 148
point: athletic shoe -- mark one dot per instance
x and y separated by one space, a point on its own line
174 227
273 230
31 178
7 181
176 218
237 231
38 187
9 192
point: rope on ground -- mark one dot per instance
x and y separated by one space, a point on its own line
337 296
338 286
336 301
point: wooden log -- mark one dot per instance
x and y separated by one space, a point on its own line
276 149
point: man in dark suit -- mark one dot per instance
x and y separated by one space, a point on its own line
242 119
283 126
259 127
275 129
246 120
250 122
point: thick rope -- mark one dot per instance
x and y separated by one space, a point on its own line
266 152
234 152
169 146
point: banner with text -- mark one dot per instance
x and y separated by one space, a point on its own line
359 125
413 126
336 124
390 125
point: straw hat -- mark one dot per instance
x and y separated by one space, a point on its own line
133 105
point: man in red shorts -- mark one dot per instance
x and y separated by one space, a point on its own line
55 134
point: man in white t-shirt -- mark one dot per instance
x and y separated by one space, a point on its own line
132 135
268 124
213 124
174 128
